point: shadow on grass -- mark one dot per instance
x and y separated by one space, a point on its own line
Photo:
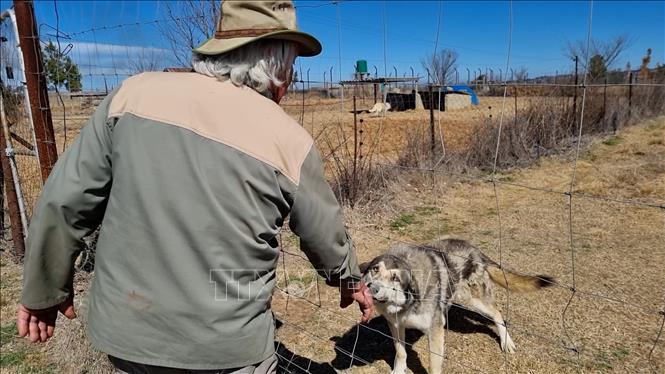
375 345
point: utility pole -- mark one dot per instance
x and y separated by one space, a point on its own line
36 82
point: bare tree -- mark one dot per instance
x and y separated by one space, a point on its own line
644 68
521 74
609 50
147 59
190 22
442 66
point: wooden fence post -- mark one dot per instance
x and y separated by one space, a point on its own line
36 82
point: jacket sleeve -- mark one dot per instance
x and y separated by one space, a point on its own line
71 206
316 217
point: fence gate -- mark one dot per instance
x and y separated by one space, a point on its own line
20 161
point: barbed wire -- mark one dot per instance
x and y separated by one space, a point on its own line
123 25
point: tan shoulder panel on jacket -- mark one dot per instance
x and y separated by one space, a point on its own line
238 117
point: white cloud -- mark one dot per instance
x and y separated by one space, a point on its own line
111 59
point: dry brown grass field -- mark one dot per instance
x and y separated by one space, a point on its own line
323 117
611 321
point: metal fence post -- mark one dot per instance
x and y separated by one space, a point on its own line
630 94
575 91
442 100
355 149
36 82
24 87
431 119
605 102
13 202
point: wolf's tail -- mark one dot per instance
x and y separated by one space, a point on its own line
517 282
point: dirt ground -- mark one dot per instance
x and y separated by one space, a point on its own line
603 315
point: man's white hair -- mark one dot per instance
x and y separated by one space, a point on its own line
255 65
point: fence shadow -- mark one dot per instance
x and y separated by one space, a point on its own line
374 344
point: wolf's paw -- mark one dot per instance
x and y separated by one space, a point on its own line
402 371
508 346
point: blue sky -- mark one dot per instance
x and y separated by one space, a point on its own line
478 31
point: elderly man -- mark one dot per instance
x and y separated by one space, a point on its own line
191 176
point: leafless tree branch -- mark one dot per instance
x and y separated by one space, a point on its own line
148 59
442 65
609 50
191 22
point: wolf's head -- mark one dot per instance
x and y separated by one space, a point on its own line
390 281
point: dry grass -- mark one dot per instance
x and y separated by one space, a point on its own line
618 248
619 255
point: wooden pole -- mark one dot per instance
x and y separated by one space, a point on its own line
36 82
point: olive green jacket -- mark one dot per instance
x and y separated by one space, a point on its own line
191 180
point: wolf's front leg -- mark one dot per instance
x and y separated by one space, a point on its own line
399 367
436 339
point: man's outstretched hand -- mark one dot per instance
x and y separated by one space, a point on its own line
357 291
39 324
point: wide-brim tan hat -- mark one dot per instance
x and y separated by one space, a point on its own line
243 22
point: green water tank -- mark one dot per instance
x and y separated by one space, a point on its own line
361 66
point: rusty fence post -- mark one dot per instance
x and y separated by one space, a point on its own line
605 103
37 88
431 120
355 149
630 94
575 91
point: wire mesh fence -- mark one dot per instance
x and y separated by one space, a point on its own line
414 161
21 172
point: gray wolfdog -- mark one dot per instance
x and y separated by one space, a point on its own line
414 285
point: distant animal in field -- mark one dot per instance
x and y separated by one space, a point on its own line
380 109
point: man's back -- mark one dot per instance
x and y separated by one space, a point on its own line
203 173
194 178
190 177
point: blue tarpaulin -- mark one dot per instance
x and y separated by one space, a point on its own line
464 89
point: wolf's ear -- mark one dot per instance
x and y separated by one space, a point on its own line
364 266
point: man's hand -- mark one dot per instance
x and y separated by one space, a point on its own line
38 325
351 291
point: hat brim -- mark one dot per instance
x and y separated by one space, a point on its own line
309 46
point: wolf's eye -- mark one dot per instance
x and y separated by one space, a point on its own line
394 278
375 268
